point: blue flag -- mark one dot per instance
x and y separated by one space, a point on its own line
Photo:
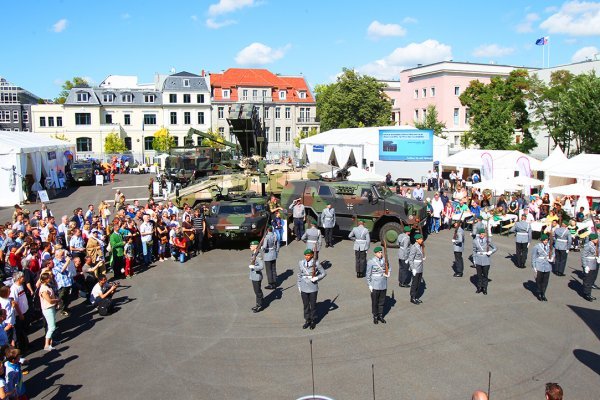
542 41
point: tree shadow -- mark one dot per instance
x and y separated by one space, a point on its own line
590 316
284 276
532 287
390 302
324 307
588 358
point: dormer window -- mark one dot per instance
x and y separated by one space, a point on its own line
226 93
108 97
302 94
149 98
83 97
127 98
186 83
282 94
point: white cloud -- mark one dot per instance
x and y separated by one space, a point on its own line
584 53
576 18
389 67
212 24
377 30
526 26
409 20
228 6
492 50
60 26
260 54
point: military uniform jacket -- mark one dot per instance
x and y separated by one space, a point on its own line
270 247
589 257
256 271
312 237
522 230
539 258
480 247
562 239
361 238
376 273
416 258
328 218
458 243
305 271
476 228
403 246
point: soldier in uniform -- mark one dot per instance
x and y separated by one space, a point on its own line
483 248
312 238
299 215
458 245
415 264
522 231
590 261
270 248
403 250
477 225
328 223
310 273
540 260
256 266
377 281
562 245
362 241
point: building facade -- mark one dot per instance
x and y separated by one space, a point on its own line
286 105
119 104
15 107
393 92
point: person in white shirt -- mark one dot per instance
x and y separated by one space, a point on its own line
146 231
418 193
437 207
18 293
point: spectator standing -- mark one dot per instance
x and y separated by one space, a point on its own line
48 301
437 207
117 252
63 275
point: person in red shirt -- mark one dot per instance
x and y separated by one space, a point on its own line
180 243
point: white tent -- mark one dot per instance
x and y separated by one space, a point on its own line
23 153
576 189
358 174
494 163
498 185
557 157
582 166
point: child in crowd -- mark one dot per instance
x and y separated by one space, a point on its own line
129 257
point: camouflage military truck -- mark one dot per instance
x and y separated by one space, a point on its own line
236 219
383 212
82 172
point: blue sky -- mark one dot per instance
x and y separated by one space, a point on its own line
49 41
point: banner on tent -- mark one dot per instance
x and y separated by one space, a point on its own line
43 195
405 145
318 148
51 155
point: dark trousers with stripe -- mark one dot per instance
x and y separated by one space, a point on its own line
588 281
521 251
377 301
256 285
403 273
309 301
541 280
415 285
560 261
271 267
459 265
482 276
361 261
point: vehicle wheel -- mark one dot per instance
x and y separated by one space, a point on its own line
389 232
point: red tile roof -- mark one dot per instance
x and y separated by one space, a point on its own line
234 78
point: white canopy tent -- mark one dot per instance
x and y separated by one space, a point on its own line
23 153
357 174
498 185
575 189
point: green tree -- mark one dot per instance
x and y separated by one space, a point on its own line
302 135
114 144
163 141
498 110
216 142
352 100
77 82
431 122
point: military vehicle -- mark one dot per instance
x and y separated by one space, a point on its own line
83 171
236 218
383 212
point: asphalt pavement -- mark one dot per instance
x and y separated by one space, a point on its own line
186 331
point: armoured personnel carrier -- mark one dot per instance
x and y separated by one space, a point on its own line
241 218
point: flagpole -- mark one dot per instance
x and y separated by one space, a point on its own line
543 56
548 52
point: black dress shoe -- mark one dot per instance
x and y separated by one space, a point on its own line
254 308
358 274
326 245
457 275
594 286
375 320
257 309
589 298
380 318
484 291
478 290
539 297
269 287
312 325
415 301
306 325
544 298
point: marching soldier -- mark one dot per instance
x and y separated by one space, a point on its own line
477 225
270 248
256 266
312 238
483 248
309 273
458 245
562 245
403 250
328 223
362 241
540 260
522 231
377 281
590 261
415 264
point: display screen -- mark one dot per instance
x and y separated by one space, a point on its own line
405 145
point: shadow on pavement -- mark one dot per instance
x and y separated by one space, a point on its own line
390 302
588 358
324 307
531 286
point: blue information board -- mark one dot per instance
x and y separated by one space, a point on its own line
318 148
405 145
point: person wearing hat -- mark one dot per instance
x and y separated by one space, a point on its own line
312 237
416 257
458 245
270 249
522 231
540 261
328 223
377 281
403 250
590 261
483 248
562 244
476 226
310 272
256 266
362 241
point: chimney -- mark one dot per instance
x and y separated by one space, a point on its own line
202 74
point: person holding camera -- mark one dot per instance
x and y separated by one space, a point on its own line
102 293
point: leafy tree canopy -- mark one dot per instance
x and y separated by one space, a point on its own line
114 144
163 141
431 122
68 85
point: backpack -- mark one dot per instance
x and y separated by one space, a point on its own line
105 307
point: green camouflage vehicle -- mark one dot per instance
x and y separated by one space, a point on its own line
236 219
383 211
82 172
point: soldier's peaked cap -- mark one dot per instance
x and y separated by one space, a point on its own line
481 231
418 236
377 249
407 229
593 236
254 243
308 251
